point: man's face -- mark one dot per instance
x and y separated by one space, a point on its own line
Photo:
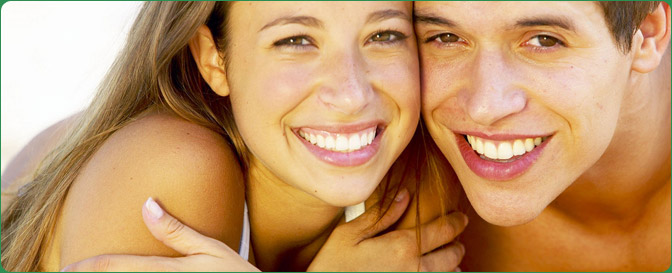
522 98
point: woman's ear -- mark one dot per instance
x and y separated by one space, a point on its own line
652 39
209 61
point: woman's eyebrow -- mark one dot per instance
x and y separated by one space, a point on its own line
387 14
302 20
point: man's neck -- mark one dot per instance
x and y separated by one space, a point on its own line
635 166
287 225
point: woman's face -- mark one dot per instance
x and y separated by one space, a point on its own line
325 94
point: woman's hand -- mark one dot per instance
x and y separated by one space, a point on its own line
358 246
201 253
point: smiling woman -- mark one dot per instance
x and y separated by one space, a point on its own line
281 111
325 82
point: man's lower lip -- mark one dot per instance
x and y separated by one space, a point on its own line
498 171
340 159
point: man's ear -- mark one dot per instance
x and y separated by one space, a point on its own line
651 39
209 61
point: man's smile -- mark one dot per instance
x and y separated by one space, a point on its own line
503 150
501 157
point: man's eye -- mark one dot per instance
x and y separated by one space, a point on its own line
544 41
445 38
387 36
293 41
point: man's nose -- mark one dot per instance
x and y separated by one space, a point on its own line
492 93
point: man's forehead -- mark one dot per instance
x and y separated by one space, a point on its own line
569 15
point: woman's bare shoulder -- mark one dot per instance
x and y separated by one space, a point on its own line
190 170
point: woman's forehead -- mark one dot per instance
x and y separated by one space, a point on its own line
260 13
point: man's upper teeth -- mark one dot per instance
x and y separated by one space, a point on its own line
503 150
339 142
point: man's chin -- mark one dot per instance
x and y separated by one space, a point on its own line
507 216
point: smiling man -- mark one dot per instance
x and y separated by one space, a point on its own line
556 119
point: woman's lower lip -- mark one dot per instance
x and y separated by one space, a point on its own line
498 171
340 159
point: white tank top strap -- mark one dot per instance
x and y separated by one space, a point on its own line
244 248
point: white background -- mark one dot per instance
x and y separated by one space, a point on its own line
53 55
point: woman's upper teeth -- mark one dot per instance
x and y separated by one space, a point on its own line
503 150
339 142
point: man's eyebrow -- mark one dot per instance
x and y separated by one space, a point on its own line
432 19
551 21
302 20
387 14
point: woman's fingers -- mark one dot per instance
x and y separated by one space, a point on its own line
178 236
441 231
445 259
367 225
122 263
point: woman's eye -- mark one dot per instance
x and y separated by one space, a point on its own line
544 41
293 41
445 38
387 36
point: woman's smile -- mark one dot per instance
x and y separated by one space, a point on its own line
343 145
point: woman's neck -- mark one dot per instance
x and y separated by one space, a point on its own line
288 226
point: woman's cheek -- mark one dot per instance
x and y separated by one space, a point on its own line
287 87
406 85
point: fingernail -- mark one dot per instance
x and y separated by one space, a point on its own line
153 208
400 196
65 269
457 269
466 219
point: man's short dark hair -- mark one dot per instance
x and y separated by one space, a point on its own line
624 18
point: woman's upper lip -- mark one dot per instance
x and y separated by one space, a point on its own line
503 136
344 128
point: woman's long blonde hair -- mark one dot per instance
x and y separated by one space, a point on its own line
154 69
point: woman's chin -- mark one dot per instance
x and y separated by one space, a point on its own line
346 195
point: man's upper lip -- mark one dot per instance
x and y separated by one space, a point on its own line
502 136
344 128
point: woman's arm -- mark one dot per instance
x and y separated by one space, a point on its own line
23 166
189 170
